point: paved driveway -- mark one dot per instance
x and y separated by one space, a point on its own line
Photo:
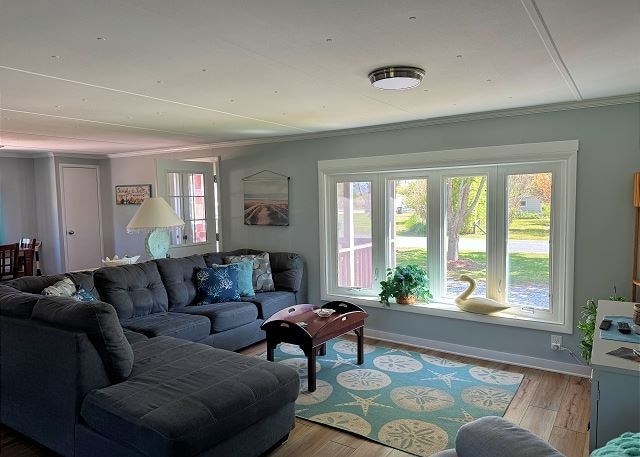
475 244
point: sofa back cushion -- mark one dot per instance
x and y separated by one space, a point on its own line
133 290
99 321
287 270
16 303
33 284
84 280
178 276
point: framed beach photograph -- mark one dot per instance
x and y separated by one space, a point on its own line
132 194
266 199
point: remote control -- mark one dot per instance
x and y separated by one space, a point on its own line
623 327
605 324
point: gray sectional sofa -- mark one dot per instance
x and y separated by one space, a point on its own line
143 371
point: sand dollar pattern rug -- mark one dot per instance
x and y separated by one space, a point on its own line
403 399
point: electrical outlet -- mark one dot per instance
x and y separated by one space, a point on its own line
556 342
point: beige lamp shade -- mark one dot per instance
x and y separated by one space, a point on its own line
154 214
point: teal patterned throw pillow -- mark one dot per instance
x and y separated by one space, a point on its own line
83 295
262 278
217 284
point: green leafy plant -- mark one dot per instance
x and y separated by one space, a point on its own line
587 325
405 281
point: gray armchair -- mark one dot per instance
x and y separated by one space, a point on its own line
493 436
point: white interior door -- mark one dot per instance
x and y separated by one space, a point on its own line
81 217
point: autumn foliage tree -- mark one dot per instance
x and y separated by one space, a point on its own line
463 194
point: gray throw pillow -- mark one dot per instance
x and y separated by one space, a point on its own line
262 278
63 288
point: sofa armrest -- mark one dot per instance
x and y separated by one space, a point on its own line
494 436
46 373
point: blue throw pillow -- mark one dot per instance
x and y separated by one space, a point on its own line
217 284
83 295
245 278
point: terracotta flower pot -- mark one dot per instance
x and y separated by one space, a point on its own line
408 300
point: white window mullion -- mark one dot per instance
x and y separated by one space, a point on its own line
436 230
379 208
497 239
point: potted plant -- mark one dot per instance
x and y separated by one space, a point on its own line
405 283
587 325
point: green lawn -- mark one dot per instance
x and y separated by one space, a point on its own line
526 269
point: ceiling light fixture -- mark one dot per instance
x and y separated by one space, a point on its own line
396 78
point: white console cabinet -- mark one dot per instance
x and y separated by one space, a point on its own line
615 389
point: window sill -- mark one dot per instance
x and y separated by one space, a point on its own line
451 311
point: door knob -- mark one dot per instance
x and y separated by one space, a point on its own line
71 232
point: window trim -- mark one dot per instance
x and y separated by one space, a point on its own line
562 153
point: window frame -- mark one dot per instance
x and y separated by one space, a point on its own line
497 163
209 167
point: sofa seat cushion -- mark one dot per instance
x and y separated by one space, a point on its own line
183 398
179 325
224 316
269 303
133 337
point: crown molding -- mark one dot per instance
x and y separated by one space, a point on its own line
511 112
16 154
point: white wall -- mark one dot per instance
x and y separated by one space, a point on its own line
47 214
609 154
17 191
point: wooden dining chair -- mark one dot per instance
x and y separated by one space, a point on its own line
9 261
27 243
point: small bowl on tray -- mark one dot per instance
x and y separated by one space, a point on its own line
324 312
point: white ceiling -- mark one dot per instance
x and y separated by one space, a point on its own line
172 74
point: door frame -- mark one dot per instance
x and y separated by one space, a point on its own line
63 223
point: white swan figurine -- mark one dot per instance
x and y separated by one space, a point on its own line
479 305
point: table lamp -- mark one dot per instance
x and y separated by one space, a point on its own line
157 218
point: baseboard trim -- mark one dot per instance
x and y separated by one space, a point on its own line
485 354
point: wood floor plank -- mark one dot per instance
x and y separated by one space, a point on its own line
522 400
569 442
371 449
332 449
550 391
573 413
539 421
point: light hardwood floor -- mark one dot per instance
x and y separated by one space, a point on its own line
553 406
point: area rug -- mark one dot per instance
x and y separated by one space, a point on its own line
403 399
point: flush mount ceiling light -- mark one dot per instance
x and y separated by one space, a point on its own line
396 78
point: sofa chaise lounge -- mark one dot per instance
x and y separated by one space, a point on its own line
143 371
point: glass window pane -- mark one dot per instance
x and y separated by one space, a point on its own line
529 232
200 231
176 236
407 222
196 187
199 211
466 233
355 260
173 184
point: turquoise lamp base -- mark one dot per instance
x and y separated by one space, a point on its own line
157 244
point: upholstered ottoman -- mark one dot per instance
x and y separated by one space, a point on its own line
186 399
